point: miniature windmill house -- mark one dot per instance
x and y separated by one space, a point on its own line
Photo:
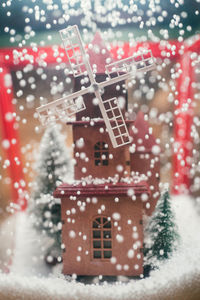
116 171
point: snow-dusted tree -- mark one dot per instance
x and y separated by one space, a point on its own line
161 233
53 166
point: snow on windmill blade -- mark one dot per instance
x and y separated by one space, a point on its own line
74 49
115 123
46 115
140 62
70 106
61 108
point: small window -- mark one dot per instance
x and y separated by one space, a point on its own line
101 154
96 234
107 244
107 254
102 238
97 254
96 244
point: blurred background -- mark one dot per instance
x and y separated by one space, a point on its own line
26 23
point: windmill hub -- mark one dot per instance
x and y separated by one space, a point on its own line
95 87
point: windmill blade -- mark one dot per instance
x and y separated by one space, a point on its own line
114 121
61 108
130 66
75 51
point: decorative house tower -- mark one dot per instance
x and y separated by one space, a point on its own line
102 210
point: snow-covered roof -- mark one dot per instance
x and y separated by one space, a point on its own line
120 188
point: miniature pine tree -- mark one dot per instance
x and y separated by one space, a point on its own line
163 236
53 165
54 162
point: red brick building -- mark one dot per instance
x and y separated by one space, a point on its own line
103 209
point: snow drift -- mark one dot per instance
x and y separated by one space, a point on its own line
177 279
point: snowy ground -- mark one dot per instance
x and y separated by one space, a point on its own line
178 279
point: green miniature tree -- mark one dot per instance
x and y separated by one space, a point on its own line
53 167
162 234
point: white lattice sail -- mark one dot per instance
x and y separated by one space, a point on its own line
117 71
131 65
61 108
74 50
115 121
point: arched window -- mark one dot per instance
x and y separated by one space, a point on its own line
101 154
101 238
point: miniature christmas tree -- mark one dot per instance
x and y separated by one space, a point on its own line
53 167
162 233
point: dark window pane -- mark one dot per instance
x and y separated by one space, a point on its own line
97 254
98 220
101 243
105 154
95 225
107 234
107 225
101 154
107 244
97 162
105 162
97 154
97 234
96 244
105 220
107 254
97 146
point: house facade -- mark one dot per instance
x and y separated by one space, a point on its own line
103 209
